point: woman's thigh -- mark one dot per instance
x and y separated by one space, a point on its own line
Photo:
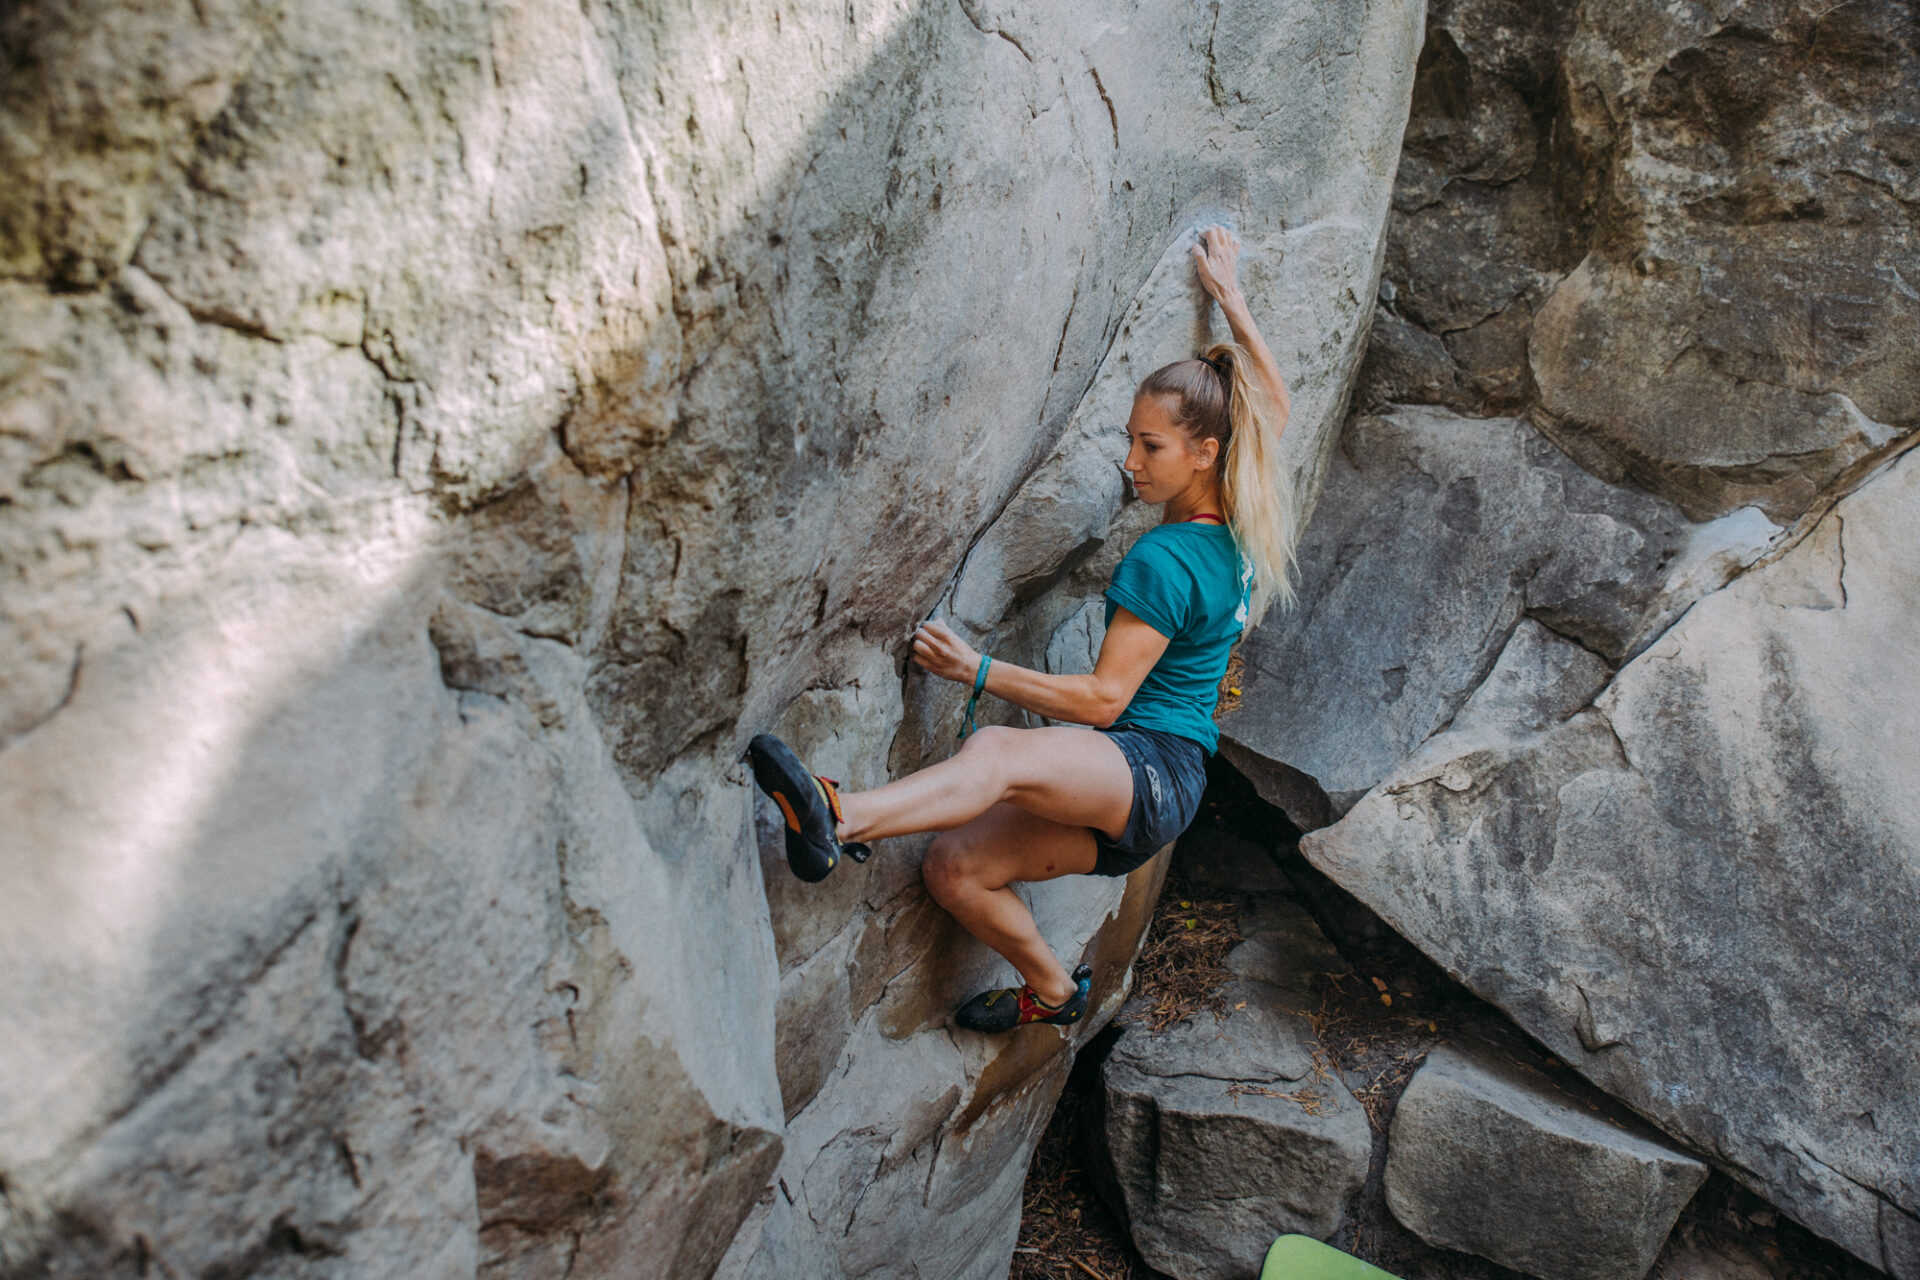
1005 844
1074 777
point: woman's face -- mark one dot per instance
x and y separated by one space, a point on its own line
1162 459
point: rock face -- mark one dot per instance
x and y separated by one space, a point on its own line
433 439
1438 535
1701 890
1618 729
1488 1156
1220 1134
1676 237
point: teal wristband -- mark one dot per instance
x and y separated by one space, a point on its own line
979 683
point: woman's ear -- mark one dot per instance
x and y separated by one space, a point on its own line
1208 451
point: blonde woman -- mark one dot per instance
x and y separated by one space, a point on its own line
1033 804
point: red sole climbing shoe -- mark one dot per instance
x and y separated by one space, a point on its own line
1010 1007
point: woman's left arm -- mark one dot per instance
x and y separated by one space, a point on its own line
1126 656
1217 258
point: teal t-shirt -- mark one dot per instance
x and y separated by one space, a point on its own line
1189 583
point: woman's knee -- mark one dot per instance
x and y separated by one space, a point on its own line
993 740
944 869
992 748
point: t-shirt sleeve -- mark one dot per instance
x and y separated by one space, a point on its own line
1150 583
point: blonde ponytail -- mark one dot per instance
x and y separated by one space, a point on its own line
1217 400
1255 486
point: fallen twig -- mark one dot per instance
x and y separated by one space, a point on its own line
1308 1100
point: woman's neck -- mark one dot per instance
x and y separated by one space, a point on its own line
1195 501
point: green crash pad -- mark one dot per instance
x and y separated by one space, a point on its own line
1304 1258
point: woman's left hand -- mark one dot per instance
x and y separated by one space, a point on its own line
1217 258
939 650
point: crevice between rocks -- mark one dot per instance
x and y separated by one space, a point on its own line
1882 1196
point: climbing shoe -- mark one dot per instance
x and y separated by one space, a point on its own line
809 804
1011 1007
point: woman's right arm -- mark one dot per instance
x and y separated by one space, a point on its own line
1126 657
1217 258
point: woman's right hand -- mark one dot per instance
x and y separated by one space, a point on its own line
1217 258
938 649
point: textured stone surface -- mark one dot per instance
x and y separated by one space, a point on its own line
1221 1133
1487 1154
1673 240
1436 536
1676 236
433 438
1701 890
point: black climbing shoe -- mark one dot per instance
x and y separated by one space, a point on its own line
809 804
1011 1007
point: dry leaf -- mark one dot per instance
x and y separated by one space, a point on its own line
1378 985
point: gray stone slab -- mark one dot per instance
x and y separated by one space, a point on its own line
1702 891
1226 1131
1487 1154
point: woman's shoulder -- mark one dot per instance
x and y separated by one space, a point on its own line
1196 557
1160 545
1183 532
1186 542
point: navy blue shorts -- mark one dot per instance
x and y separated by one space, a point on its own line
1169 773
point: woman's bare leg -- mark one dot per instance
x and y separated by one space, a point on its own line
1074 777
968 871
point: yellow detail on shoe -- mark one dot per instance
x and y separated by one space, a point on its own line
830 792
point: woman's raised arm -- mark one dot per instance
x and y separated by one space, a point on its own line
1217 258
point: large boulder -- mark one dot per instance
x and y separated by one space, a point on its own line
1670 241
1224 1131
1439 540
433 439
1489 1155
1675 237
1739 331
1701 889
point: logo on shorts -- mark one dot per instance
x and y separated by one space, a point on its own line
1153 781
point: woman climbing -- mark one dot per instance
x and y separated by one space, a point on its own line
1034 804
